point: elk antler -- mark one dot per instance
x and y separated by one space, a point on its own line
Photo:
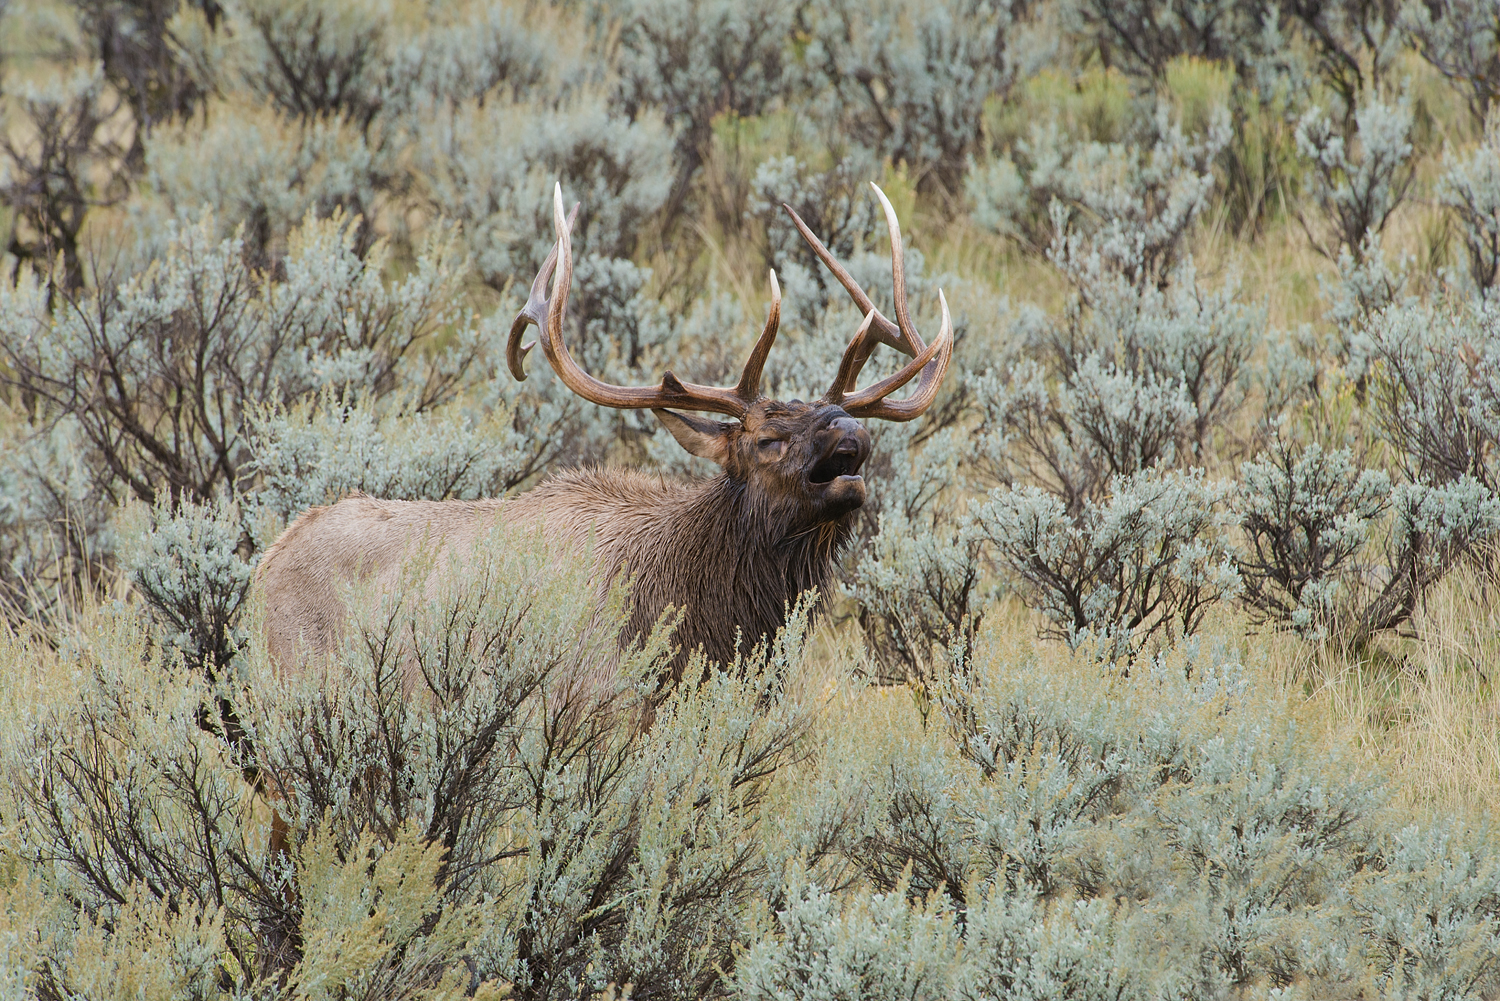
547 313
930 360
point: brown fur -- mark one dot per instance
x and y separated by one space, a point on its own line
730 552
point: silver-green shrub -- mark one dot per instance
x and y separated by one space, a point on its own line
1332 548
697 60
74 163
1432 921
1367 283
1145 364
158 371
1436 528
1200 337
1141 212
1121 206
1140 372
936 63
489 164
835 203
1006 945
1471 188
1128 422
1273 48
1170 833
1433 390
498 714
870 945
1307 514
189 566
1360 170
123 805
55 534
469 788
1031 434
1145 36
1149 559
1156 395
1461 39
257 173
322 449
1318 525
319 105
920 582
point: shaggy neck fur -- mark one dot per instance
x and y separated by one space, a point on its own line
730 561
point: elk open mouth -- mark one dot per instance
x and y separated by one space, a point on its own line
844 461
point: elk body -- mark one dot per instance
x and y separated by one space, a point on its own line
730 553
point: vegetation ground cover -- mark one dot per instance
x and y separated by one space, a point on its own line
1162 663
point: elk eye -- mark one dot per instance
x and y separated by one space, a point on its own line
772 446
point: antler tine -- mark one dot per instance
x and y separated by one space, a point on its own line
547 312
932 362
749 384
884 330
854 359
898 275
901 335
535 310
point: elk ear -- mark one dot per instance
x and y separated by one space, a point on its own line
704 438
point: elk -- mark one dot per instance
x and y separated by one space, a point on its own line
730 553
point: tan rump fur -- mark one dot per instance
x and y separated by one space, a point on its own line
304 575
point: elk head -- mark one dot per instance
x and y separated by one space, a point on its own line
805 457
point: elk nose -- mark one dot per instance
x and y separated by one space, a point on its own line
853 439
846 426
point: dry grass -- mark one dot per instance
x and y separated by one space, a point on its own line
1422 709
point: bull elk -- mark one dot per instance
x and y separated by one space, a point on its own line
729 552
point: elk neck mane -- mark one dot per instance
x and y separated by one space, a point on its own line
742 555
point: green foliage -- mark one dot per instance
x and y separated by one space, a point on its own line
468 788
1079 835
1360 171
1150 559
1471 187
262 256
1307 514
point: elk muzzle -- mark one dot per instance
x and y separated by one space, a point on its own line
842 448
